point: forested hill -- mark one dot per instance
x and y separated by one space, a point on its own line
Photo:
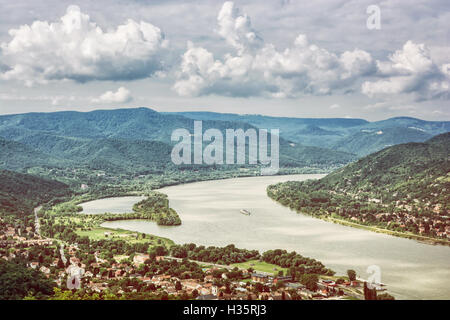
403 168
404 188
355 136
130 141
20 193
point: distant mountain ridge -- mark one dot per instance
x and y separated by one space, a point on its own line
123 139
355 136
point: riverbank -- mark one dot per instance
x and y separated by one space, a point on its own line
411 236
210 214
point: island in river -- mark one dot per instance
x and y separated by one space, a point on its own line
412 270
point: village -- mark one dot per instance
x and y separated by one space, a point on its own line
174 278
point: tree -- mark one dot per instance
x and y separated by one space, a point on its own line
178 286
309 281
258 287
60 264
351 274
369 294
385 296
280 284
18 281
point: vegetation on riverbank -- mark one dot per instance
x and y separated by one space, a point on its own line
156 208
401 190
219 255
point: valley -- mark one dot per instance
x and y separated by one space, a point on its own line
61 161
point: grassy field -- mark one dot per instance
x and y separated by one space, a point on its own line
260 266
100 233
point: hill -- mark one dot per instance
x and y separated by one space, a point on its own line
367 141
300 130
20 193
403 188
125 140
15 156
355 136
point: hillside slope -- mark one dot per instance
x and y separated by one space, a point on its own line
130 140
355 136
402 188
20 193
15 155
370 140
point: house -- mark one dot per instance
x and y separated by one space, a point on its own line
146 279
98 287
285 279
45 270
140 259
328 283
260 277
294 285
190 284
209 278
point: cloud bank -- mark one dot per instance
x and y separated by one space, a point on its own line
411 71
257 68
75 48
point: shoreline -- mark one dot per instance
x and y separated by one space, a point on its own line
409 236
396 293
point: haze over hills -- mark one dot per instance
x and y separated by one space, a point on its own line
125 140
356 136
137 140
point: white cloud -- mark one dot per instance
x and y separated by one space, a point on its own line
122 95
258 68
78 49
236 29
335 106
410 71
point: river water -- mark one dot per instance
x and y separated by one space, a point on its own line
210 214
111 205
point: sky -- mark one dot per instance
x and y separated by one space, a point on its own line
356 59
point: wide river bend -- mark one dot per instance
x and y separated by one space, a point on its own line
210 212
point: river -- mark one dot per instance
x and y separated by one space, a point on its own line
210 216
